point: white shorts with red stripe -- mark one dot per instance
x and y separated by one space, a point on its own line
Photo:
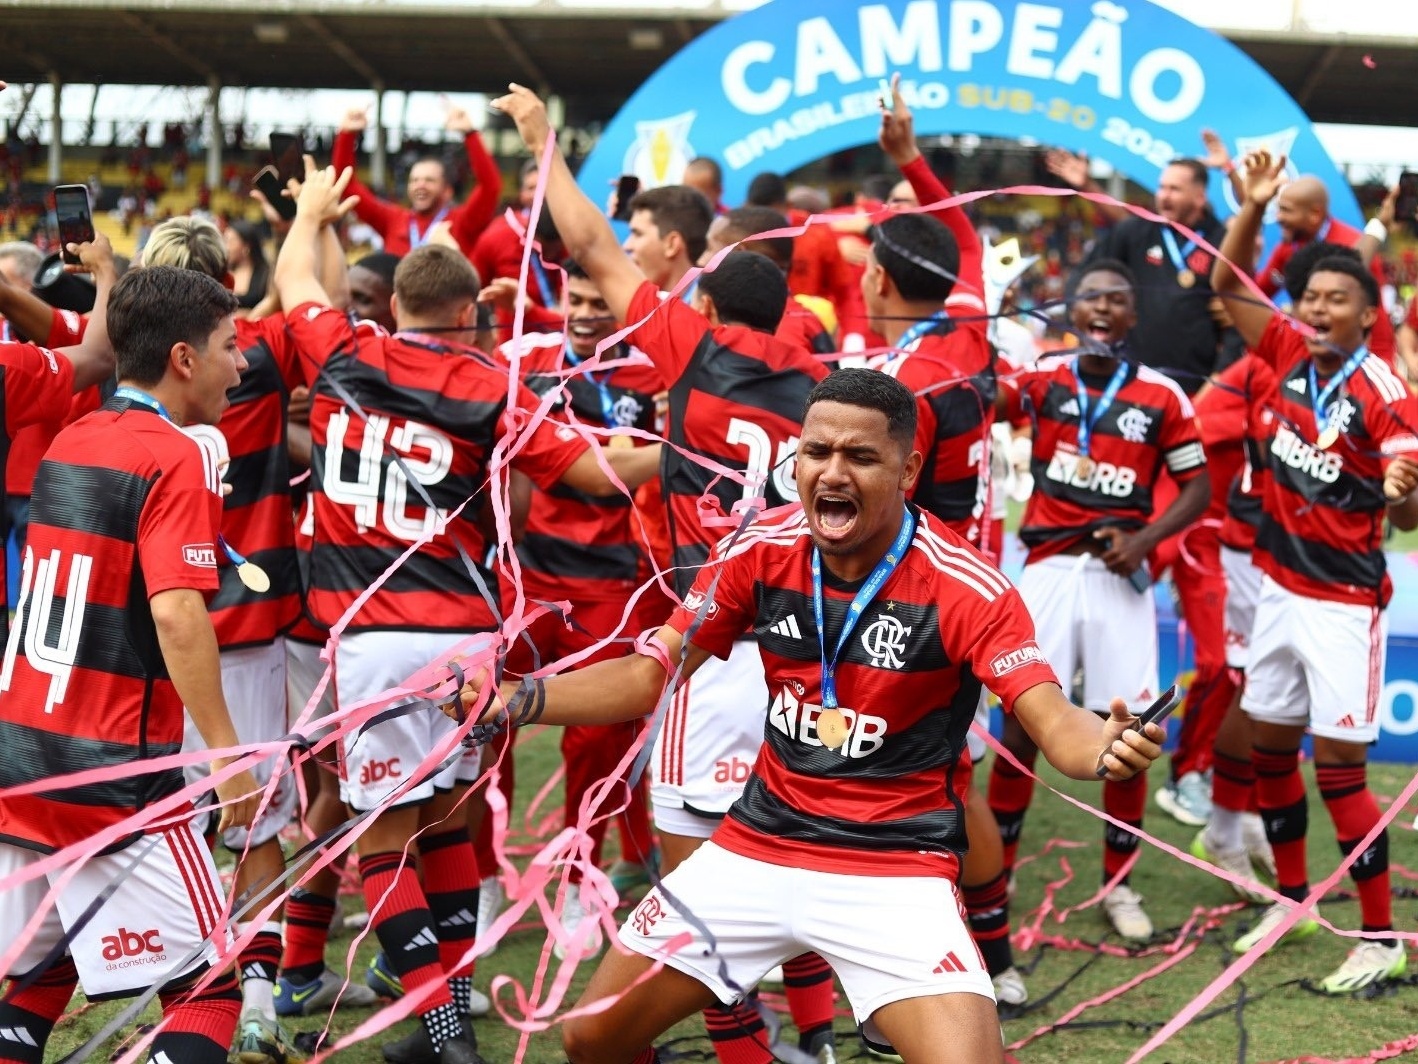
708 742
159 924
888 938
1242 591
1316 662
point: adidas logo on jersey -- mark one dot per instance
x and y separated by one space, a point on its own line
423 939
787 628
1069 409
1297 385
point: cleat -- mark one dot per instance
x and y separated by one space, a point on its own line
1368 963
417 1048
1258 846
263 1042
322 993
1187 800
382 979
490 899
585 933
1124 908
822 1049
1303 928
1236 862
1009 987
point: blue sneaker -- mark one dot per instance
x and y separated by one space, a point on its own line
320 995
382 979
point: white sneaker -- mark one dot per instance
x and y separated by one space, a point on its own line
1188 800
490 899
1302 928
1009 987
1236 862
1368 962
479 1004
1124 908
586 933
1258 846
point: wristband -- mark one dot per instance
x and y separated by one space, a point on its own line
651 645
1376 229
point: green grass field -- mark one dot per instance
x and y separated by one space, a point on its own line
1268 1016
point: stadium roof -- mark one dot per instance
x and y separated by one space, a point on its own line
592 53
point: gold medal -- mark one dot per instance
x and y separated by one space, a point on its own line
1328 438
1186 278
832 728
1085 467
620 443
254 577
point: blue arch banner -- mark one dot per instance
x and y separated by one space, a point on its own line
795 80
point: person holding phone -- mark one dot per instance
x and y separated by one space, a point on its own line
429 189
1104 428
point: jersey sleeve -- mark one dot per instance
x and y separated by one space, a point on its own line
38 385
725 583
66 328
177 530
273 333
468 220
671 333
1280 346
378 214
1180 438
997 638
550 449
319 332
968 294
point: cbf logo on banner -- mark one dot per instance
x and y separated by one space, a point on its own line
783 85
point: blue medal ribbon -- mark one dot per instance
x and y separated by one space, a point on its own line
543 282
417 241
1087 419
1176 254
607 397
921 328
860 602
1320 399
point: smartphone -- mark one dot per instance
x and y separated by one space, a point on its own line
268 182
884 95
76 221
625 191
288 156
1407 205
1156 713
1141 579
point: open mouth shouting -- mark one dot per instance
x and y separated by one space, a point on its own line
834 515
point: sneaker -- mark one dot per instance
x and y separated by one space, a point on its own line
822 1049
1009 987
263 1042
1302 928
479 1004
586 933
1187 800
1124 908
490 899
1368 962
879 1050
625 875
382 979
1236 862
1258 846
417 1048
325 991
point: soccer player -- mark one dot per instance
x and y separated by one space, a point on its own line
1103 429
139 558
736 395
1344 423
402 429
849 836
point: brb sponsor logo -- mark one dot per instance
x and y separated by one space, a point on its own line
798 720
1028 654
129 948
1324 466
377 771
1104 477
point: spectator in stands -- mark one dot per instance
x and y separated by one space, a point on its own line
429 189
246 262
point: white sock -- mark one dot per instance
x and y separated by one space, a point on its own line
1223 830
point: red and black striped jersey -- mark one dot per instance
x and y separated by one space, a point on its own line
124 506
256 517
736 398
889 800
442 409
1321 534
1239 404
576 545
951 372
802 328
1149 423
66 328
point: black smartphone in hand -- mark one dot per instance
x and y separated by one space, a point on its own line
1156 713
75 219
625 191
1407 205
268 182
288 156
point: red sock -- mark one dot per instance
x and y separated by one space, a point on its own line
1280 794
35 1010
307 929
450 882
987 912
199 1028
404 924
1010 792
737 1034
1233 783
807 981
1123 801
1355 811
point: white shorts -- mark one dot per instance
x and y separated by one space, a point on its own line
1318 663
1242 591
708 742
1085 616
888 938
254 683
977 746
379 758
303 671
157 926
